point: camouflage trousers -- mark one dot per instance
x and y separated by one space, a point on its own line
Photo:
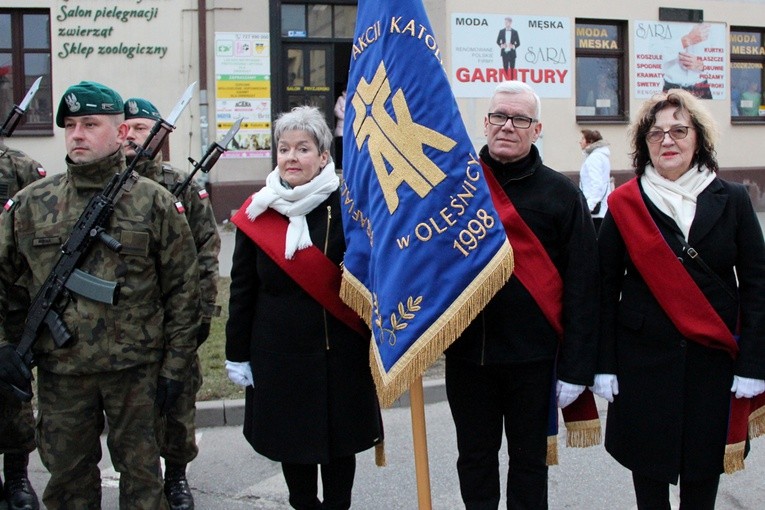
178 443
17 424
69 425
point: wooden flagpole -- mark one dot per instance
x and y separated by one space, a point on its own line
420 440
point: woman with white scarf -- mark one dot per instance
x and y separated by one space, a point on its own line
675 239
310 401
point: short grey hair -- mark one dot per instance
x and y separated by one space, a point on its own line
519 87
308 119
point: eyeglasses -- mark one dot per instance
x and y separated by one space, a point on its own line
675 133
519 121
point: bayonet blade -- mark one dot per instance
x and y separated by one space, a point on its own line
231 133
30 94
185 100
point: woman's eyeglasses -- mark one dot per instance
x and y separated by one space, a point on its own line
675 133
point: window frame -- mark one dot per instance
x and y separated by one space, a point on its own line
621 55
753 59
21 80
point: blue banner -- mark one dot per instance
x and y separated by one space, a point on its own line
426 249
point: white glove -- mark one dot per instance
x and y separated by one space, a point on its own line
567 393
606 386
240 372
747 388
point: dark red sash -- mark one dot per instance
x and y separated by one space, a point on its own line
672 286
310 268
533 267
539 276
685 304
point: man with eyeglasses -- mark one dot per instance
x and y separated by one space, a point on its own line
517 356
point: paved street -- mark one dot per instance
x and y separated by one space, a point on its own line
229 475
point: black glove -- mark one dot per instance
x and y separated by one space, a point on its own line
203 333
168 391
13 370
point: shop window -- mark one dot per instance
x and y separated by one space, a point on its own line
601 89
25 55
323 21
747 75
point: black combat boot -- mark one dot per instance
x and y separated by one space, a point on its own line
177 488
18 492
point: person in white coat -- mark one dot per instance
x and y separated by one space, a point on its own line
595 174
340 116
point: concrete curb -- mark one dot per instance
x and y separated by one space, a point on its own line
220 413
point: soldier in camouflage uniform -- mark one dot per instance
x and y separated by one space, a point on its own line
17 433
178 444
126 362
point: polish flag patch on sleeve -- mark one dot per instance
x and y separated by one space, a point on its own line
203 194
41 171
9 204
179 207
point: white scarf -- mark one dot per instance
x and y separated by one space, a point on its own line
677 199
294 203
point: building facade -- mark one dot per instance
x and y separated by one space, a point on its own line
592 63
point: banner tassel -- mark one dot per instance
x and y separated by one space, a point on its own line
734 457
391 385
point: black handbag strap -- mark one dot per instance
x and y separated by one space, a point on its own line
691 251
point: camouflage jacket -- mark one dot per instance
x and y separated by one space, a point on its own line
157 315
16 171
204 228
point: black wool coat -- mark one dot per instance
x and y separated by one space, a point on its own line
512 328
671 414
313 398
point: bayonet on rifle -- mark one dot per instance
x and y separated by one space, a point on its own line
9 126
209 159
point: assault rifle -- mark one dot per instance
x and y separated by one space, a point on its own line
9 126
208 160
90 227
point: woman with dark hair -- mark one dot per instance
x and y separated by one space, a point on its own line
683 307
595 174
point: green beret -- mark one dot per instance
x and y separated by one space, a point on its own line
88 98
137 108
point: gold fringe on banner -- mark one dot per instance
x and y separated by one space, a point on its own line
552 451
434 341
583 434
757 423
734 457
356 296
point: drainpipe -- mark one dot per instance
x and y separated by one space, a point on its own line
204 124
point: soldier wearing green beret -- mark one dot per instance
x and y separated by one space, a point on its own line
125 363
177 436
17 434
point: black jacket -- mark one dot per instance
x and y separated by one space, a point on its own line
514 39
314 398
512 328
670 416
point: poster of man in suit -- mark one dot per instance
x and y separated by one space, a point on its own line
508 40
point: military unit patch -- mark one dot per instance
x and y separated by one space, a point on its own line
203 194
179 207
9 204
